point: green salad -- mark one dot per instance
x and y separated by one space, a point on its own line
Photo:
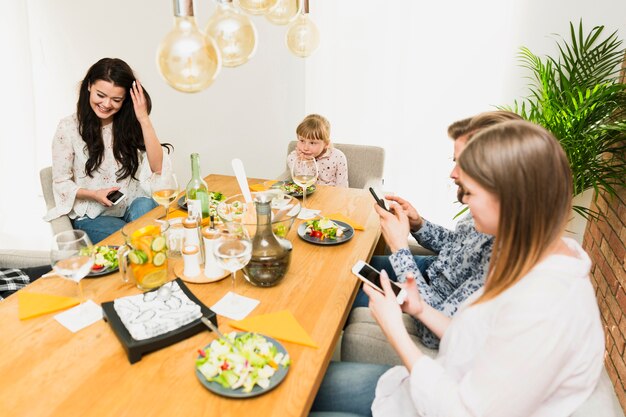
103 257
291 187
254 361
323 228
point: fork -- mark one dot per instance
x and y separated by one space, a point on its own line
214 328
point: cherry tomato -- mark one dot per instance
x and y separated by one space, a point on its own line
97 267
316 233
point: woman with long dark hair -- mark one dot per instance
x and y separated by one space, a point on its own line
109 144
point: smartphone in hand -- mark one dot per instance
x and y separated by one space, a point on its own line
380 202
115 196
371 276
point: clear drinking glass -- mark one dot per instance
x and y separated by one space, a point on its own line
304 173
164 189
72 256
233 250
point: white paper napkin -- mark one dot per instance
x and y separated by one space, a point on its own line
152 314
81 316
306 213
235 306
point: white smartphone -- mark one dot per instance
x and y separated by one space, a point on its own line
115 196
371 276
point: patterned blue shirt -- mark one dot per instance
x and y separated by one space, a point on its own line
458 271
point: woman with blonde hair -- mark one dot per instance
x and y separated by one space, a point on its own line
530 343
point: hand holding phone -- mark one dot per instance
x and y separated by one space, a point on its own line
115 196
380 202
371 276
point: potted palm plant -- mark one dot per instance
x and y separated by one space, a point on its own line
580 97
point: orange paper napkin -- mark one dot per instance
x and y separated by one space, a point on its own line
281 325
342 218
32 304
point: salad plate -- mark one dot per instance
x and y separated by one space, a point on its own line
258 341
214 198
348 232
105 261
293 189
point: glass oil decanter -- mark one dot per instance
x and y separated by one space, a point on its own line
270 255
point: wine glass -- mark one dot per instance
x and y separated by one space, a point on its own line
304 173
72 256
164 189
233 250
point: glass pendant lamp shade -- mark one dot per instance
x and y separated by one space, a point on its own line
283 12
303 37
187 60
234 34
256 6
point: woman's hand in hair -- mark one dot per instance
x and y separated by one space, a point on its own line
395 226
415 220
139 101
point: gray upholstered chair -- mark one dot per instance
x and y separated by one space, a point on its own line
62 223
17 258
366 164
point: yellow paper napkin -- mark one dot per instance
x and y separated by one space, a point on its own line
263 186
32 304
281 325
342 218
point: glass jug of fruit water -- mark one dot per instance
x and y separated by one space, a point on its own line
143 258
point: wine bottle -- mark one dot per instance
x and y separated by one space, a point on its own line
197 191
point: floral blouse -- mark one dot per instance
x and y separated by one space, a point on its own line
458 272
69 157
332 166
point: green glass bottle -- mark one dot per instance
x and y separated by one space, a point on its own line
197 191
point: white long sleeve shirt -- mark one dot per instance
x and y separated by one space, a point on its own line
69 157
535 350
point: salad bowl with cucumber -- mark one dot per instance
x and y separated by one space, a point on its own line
105 261
246 365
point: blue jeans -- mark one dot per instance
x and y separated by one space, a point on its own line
103 226
348 389
383 263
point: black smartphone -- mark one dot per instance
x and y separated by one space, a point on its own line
380 202
115 196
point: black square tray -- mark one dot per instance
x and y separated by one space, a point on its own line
135 349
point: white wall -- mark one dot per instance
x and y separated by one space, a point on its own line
415 67
392 73
249 112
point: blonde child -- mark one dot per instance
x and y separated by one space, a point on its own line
314 141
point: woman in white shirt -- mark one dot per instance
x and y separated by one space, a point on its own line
109 144
530 343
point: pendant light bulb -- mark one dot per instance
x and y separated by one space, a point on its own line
283 12
256 6
303 37
187 60
234 34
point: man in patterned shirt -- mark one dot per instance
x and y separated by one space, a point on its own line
459 268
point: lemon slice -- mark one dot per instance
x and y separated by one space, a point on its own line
154 279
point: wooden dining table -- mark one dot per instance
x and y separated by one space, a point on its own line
46 370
